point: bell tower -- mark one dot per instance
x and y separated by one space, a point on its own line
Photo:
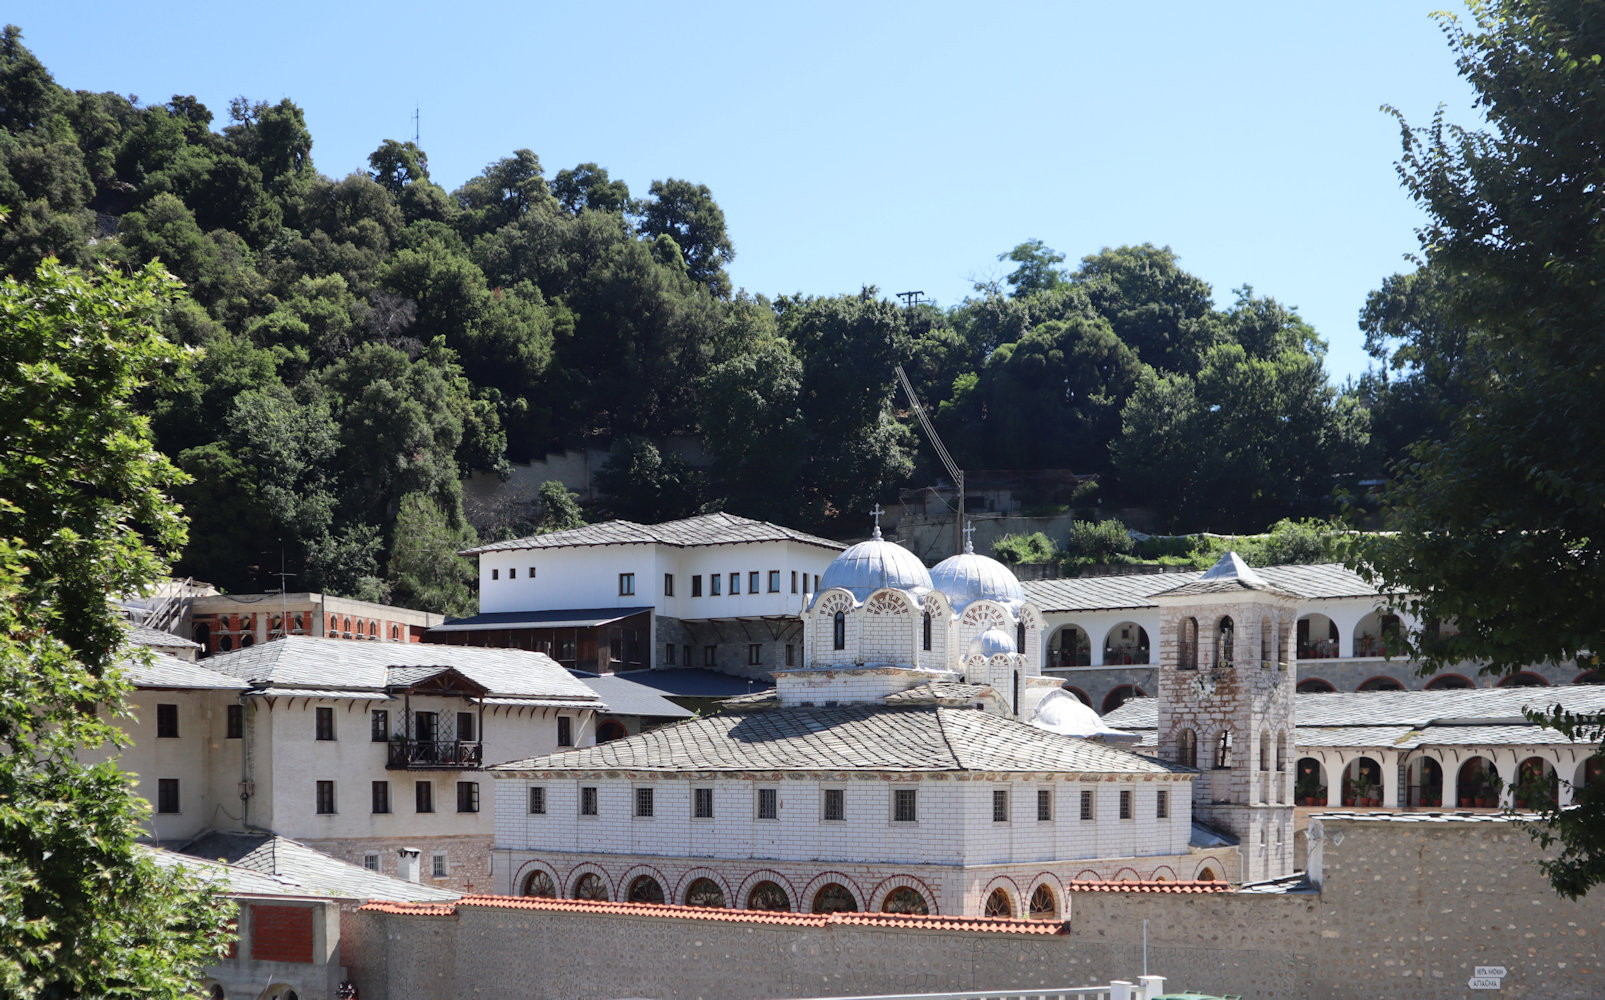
1226 683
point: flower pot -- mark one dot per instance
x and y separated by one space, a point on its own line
1465 802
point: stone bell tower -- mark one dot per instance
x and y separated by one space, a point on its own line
1226 683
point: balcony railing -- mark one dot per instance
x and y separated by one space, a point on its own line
422 755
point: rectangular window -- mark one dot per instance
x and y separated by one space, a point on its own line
768 803
379 725
423 796
668 585
325 798
324 723
437 865
1000 805
735 584
643 803
793 581
531 573
465 727
167 795
710 656
791 655
1125 803
167 722
905 805
565 731
668 654
685 654
715 581
774 581
626 584
370 861
752 582
495 574
381 796
816 583
702 803
1162 806
512 573
565 650
1086 803
1044 805
468 796
835 805
754 654
588 800
235 722
537 800
696 585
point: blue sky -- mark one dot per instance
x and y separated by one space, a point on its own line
901 145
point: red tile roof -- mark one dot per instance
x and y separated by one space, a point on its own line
818 920
1173 887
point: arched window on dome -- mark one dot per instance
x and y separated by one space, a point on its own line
838 635
925 635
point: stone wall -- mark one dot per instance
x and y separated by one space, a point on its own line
1408 907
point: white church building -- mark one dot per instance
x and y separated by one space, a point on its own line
917 761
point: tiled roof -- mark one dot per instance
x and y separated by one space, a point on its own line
850 737
994 925
706 529
142 635
308 664
300 870
1323 581
624 696
942 693
696 682
166 671
1163 887
493 621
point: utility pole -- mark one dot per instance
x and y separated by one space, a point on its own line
284 605
911 299
415 124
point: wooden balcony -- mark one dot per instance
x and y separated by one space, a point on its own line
434 755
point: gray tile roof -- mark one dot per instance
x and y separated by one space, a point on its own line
851 737
623 696
942 692
155 638
706 529
1325 581
302 870
492 621
305 662
164 671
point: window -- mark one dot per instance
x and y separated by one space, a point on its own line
793 581
752 582
702 803
1162 806
735 584
1223 749
512 573
715 581
235 722
565 731
1044 805
423 796
588 800
668 654
325 798
381 796
754 654
495 574
324 723
531 573
838 632
1086 804
1125 803
905 805
370 861
685 654
379 725
1000 805
791 655
626 584
668 585
167 722
768 803
437 865
1187 748
710 656
167 795
774 581
537 800
816 583
1019 638
696 585
835 805
465 727
468 796
643 803
925 632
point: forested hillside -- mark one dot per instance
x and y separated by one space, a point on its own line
368 340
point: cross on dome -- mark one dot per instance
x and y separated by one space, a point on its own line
876 513
969 529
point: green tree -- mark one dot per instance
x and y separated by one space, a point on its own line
687 213
1039 269
1498 522
425 571
560 509
1161 311
83 516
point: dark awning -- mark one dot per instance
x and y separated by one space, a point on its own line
569 618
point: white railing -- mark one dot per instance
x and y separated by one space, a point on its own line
1146 988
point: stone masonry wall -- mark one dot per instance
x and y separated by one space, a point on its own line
467 858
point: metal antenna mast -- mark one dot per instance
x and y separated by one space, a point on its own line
941 452
415 124
284 605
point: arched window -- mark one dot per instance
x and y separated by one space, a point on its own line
1537 784
1019 638
225 642
203 635
609 731
216 992
540 884
998 904
395 633
925 637
905 900
1224 643
590 886
1381 684
705 892
835 898
1264 750
768 896
1265 643
1314 685
1223 749
1449 682
646 889
1281 750
1120 695
1477 784
1208 875
1187 748
247 640
1525 679
1043 904
838 635
1187 645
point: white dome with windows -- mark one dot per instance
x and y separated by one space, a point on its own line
873 564
992 642
969 577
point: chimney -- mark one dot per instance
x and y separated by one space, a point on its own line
408 863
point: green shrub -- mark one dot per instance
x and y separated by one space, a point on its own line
1033 548
1098 541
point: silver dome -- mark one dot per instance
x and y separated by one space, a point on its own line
968 577
870 565
991 642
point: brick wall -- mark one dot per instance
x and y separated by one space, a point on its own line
281 933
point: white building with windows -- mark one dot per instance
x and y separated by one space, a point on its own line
716 591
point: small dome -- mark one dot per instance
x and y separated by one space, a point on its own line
991 642
969 577
1061 712
870 565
